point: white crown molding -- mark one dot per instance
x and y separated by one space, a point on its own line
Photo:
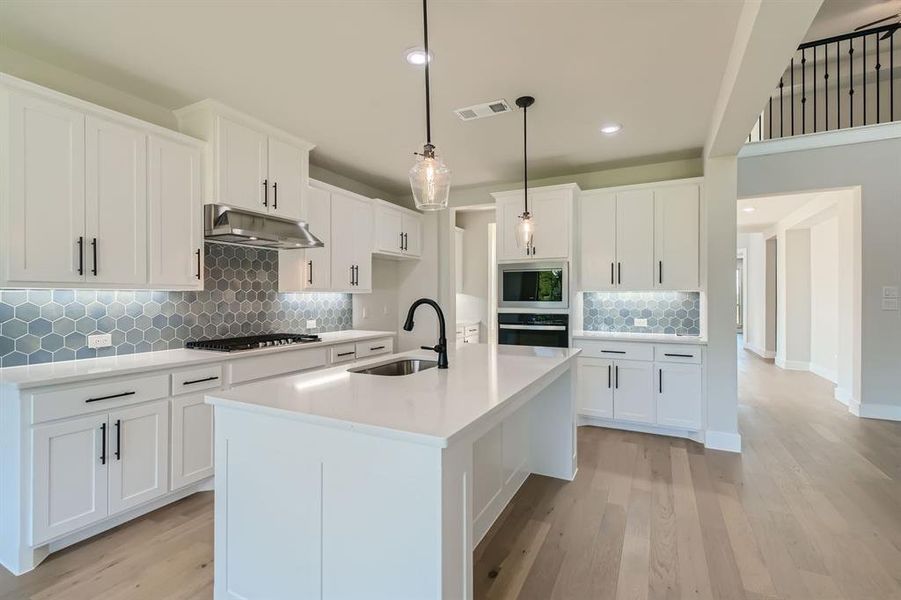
823 139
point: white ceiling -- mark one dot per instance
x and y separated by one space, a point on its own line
333 73
842 16
769 210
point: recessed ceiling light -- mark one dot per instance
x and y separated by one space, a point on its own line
611 128
749 209
416 56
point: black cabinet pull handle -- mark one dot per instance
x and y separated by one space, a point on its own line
660 388
612 280
310 272
613 351
80 255
616 370
275 195
406 241
376 348
118 439
679 355
103 443
609 371
346 353
193 381
94 251
660 271
351 275
110 397
619 273
401 241
197 252
265 192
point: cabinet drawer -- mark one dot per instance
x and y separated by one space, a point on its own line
616 350
193 380
684 353
375 347
72 401
342 353
276 363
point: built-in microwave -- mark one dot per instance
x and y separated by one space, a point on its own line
533 285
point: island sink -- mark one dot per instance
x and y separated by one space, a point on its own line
406 366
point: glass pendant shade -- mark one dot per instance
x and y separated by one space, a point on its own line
524 230
430 181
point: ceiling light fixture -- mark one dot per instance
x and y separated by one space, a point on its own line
525 227
611 128
429 177
416 56
749 209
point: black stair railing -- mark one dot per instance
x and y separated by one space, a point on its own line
834 83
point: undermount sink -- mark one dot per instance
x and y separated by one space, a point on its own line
405 366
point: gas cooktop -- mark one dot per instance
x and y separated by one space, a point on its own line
253 342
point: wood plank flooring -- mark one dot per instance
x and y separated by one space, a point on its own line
811 510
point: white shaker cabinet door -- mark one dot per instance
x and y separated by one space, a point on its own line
116 203
676 227
412 227
679 395
553 211
597 224
242 170
192 440
70 463
595 387
317 261
46 212
139 455
508 212
175 231
389 230
635 240
343 253
286 179
632 392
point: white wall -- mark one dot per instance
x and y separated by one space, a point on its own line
378 310
472 299
419 279
793 332
755 322
824 315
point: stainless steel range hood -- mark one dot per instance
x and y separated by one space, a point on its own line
227 225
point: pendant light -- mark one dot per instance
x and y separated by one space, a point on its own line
429 177
525 227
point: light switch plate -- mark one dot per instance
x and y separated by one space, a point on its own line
891 304
641 322
890 291
101 340
311 323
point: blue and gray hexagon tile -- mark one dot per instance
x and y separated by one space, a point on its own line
666 312
240 297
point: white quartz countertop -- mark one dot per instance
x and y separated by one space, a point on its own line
89 369
654 338
430 407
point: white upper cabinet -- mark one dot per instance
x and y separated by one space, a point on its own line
175 228
552 210
116 202
44 195
242 166
398 231
82 203
634 240
311 269
640 238
351 242
676 232
250 164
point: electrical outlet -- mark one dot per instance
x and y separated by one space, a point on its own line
311 323
890 304
365 312
641 322
101 340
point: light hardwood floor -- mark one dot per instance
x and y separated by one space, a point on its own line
811 510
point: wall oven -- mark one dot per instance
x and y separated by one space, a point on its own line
533 285
532 329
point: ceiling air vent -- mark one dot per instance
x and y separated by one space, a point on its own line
480 111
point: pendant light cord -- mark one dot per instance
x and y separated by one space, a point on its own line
428 112
525 161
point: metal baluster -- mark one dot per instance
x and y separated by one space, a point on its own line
814 89
878 66
891 70
803 91
863 83
792 81
759 128
826 81
838 82
851 79
781 112
771 118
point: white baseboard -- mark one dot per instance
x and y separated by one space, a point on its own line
761 352
843 395
695 436
792 365
728 441
887 412
823 372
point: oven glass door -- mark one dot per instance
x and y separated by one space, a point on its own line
552 336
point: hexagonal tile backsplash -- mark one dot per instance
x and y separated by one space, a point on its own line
666 312
240 297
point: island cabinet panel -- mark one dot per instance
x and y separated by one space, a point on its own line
192 440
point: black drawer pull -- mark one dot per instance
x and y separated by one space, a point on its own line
346 353
679 355
193 381
103 443
609 369
118 439
613 351
377 348
661 381
122 395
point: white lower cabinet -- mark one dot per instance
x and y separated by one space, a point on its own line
139 455
69 476
679 395
633 397
594 386
192 440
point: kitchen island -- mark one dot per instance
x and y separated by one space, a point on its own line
338 484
